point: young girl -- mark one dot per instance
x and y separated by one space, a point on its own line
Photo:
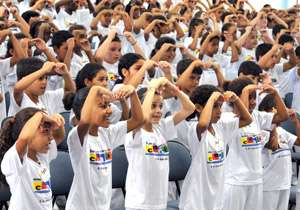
95 74
28 145
243 169
192 42
91 144
147 153
203 186
276 162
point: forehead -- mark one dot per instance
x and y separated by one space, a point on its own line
101 73
106 12
115 45
79 32
157 99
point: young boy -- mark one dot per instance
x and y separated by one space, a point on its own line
266 56
30 90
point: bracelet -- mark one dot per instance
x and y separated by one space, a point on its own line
42 115
176 91
133 43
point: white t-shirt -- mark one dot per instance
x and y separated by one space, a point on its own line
295 84
277 165
247 55
29 181
148 171
283 79
51 102
203 186
188 41
274 79
4 72
244 165
92 184
65 21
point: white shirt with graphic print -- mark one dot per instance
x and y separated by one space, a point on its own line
203 186
148 171
29 181
277 165
244 164
92 184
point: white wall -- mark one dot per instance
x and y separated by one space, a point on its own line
277 4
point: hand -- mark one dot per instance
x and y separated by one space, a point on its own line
55 121
182 49
61 68
166 46
58 119
124 92
149 64
210 65
9 4
265 78
212 17
294 33
251 88
267 89
264 33
24 43
230 96
199 29
14 11
217 96
292 115
155 83
164 66
271 15
71 43
130 38
4 34
288 48
104 93
48 66
94 33
198 63
112 33
85 45
276 47
46 18
228 37
13 23
40 44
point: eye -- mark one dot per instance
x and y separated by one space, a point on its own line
161 106
153 106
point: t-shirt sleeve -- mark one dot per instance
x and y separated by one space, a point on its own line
168 128
11 164
265 119
5 67
290 138
75 148
228 126
117 134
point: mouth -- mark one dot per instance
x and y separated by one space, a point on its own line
107 118
48 146
156 118
43 88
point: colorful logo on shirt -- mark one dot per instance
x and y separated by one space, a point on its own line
250 58
197 51
251 141
259 38
40 186
274 81
100 157
282 146
153 149
113 77
215 157
185 31
84 62
70 24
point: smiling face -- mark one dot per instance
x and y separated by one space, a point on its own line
105 19
156 109
169 55
113 53
102 112
251 41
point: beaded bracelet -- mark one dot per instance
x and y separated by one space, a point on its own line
176 91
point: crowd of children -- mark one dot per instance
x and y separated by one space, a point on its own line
215 76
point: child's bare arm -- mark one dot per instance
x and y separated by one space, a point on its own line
102 50
293 118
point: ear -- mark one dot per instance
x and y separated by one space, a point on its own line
125 72
241 74
55 49
259 57
12 52
199 108
87 82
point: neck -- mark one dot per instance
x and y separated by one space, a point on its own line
32 155
77 51
34 98
69 11
209 54
211 129
186 91
148 127
93 130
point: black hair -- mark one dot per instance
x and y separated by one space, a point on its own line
284 38
211 39
116 3
103 8
60 37
289 23
10 133
249 68
267 103
277 28
33 27
131 4
194 23
115 39
76 100
184 64
159 43
183 10
266 5
158 17
125 62
297 51
142 94
200 95
226 27
89 71
223 16
237 85
262 49
29 14
28 66
76 27
10 44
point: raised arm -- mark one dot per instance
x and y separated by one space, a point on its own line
130 38
216 68
19 53
102 50
62 69
264 59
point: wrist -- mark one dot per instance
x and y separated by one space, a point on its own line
174 92
134 43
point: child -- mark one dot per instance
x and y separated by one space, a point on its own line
148 150
27 141
277 160
31 86
192 42
207 138
91 144
243 169
295 82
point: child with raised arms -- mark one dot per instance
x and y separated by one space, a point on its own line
92 141
203 186
148 152
28 144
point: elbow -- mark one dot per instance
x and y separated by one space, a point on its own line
202 125
249 120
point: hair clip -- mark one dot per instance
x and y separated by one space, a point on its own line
12 120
